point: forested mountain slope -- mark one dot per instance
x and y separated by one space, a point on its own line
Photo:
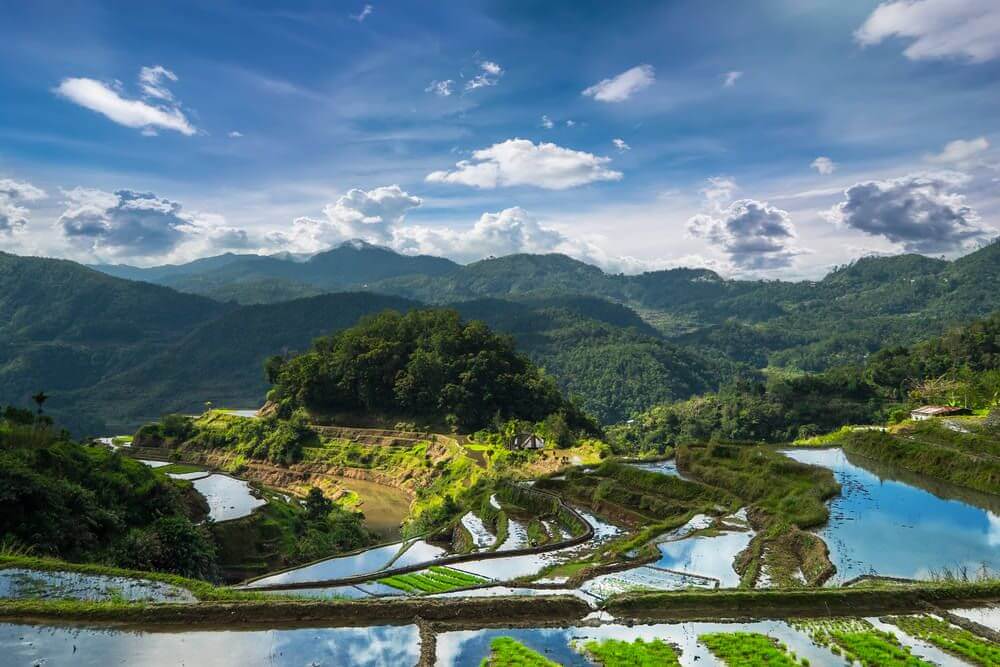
266 279
810 325
113 353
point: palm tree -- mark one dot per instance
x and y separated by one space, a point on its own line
39 400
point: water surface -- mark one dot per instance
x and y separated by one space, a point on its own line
368 561
663 467
707 556
385 507
883 525
20 583
55 646
228 498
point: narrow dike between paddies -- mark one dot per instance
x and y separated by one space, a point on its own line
258 583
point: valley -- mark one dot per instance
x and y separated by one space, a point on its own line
415 487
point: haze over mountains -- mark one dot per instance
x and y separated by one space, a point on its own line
116 351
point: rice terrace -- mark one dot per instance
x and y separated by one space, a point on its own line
500 333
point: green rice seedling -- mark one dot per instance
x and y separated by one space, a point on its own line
508 652
950 638
748 649
616 653
437 579
458 575
859 641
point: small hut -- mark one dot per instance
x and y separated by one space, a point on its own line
526 441
930 411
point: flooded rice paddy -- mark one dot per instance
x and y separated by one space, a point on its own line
24 584
663 467
88 647
881 524
228 498
399 646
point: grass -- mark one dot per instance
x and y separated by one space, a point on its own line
508 652
949 638
617 653
764 478
435 579
878 598
180 468
749 649
971 459
859 641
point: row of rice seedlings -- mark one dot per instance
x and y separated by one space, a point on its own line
508 652
437 579
749 649
617 653
950 638
460 577
859 641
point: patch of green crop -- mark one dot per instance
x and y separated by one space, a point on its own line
435 579
508 652
617 653
949 638
858 641
748 649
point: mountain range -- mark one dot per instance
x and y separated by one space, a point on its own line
116 345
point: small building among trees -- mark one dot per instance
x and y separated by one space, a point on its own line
930 411
526 441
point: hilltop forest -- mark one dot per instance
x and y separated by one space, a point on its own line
617 345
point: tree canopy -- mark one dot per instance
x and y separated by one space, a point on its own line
425 363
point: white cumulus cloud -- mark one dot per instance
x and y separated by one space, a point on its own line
621 145
730 78
754 235
370 215
965 29
13 196
922 212
140 226
522 162
547 123
158 109
824 165
623 86
960 151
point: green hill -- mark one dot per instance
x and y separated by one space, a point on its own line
266 279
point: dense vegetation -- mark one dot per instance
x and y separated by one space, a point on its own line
966 456
257 279
90 339
961 368
854 311
59 498
426 364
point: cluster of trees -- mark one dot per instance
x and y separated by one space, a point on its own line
959 368
327 528
79 502
427 364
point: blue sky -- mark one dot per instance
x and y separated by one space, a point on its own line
775 138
